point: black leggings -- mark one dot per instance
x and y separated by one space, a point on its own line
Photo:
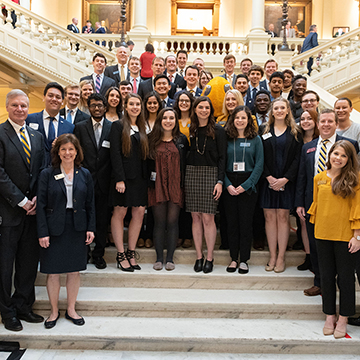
166 217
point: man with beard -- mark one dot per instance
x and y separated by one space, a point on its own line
299 84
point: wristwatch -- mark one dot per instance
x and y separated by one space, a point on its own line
358 237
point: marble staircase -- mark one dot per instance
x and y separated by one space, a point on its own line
182 311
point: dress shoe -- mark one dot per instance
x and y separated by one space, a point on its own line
50 324
313 291
306 265
158 266
12 324
99 262
187 243
281 268
208 267
79 322
169 266
149 243
269 267
232 269
179 242
141 243
339 334
199 263
243 268
31 317
354 321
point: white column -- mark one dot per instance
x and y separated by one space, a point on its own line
25 4
258 16
140 15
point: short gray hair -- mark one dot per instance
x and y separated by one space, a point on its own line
14 93
312 27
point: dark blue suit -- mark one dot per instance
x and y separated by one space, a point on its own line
64 127
309 43
233 79
304 193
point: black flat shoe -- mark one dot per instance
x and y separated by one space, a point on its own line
31 317
12 324
78 322
50 324
208 267
243 268
354 321
232 269
199 264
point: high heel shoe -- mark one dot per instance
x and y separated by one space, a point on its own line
132 254
120 257
199 264
208 267
328 331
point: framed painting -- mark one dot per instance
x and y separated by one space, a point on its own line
340 30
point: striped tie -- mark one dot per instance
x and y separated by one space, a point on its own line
322 156
97 85
25 145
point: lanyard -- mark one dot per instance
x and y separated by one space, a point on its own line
243 152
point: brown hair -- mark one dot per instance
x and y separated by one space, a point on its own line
314 117
348 179
140 122
62 140
194 125
229 57
250 130
256 68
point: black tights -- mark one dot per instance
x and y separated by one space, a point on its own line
166 226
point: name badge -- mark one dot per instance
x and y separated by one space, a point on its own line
239 166
266 136
244 144
153 176
321 182
106 144
311 150
59 176
34 126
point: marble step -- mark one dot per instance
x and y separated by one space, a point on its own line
268 336
222 257
189 303
184 277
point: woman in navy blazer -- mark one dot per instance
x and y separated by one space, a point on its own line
282 147
66 223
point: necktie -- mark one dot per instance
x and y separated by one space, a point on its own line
182 72
97 133
164 103
25 145
134 87
322 156
192 92
51 132
254 91
171 78
97 85
69 116
122 73
230 79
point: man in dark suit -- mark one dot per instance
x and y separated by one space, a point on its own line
270 67
21 159
94 137
101 82
262 106
99 30
170 72
276 84
181 58
49 122
256 72
242 85
134 78
88 29
73 26
120 71
71 112
192 75
310 165
309 43
229 66
271 31
162 86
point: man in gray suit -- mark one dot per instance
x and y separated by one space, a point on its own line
229 66
290 33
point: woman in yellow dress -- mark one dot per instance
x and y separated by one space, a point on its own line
335 211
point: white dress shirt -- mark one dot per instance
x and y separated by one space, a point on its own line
329 144
72 115
46 120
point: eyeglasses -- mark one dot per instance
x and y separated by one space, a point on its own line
310 101
94 106
187 101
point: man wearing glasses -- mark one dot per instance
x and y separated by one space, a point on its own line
310 100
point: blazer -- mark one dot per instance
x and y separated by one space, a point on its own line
17 178
105 85
291 158
96 159
51 202
36 122
291 33
80 115
233 79
270 33
304 184
92 30
147 86
170 102
73 28
113 73
264 85
178 81
310 42
124 167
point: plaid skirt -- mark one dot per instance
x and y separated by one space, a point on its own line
199 186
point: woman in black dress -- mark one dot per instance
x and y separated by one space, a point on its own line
66 223
168 149
128 149
114 104
204 178
282 146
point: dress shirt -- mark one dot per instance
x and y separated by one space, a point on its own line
259 119
329 144
94 76
194 90
46 120
172 75
17 129
72 115
251 90
100 127
230 78
69 189
137 82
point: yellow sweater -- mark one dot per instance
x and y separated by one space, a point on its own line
185 129
334 217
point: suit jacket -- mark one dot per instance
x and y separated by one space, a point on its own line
80 115
113 73
291 158
51 202
92 30
170 102
36 122
304 185
96 159
250 103
105 85
147 86
310 42
233 79
73 28
269 32
178 81
17 178
291 33
198 92
264 85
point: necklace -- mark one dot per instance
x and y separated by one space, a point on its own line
197 145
